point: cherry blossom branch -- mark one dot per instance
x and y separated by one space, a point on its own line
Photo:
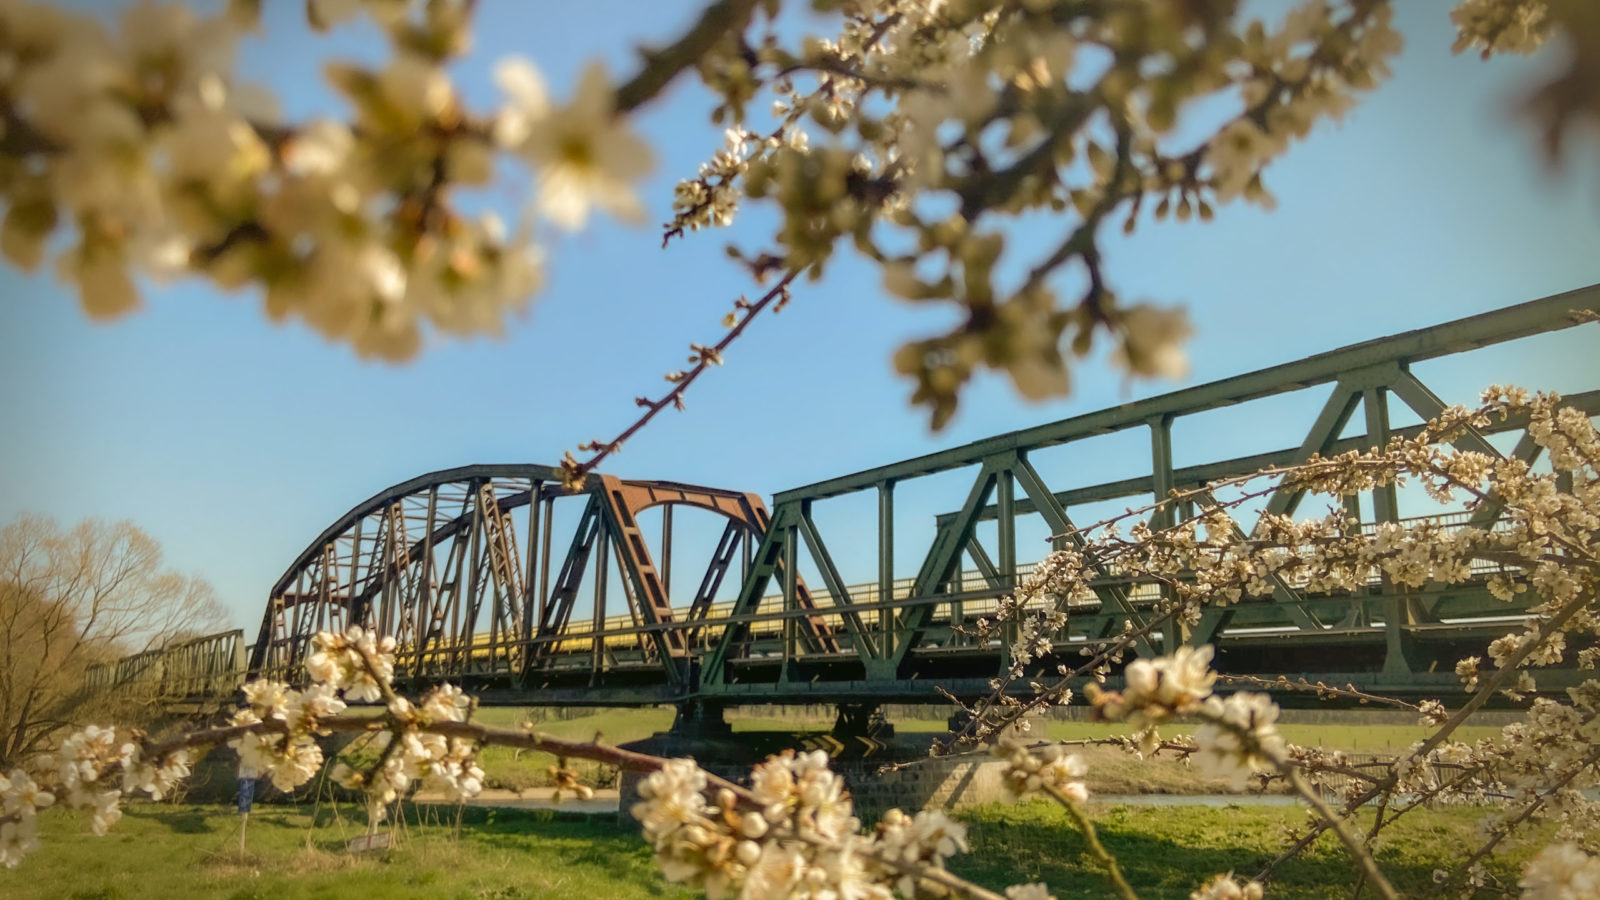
1473 704
1257 741
1178 748
1504 829
717 21
1322 690
1512 663
1092 839
1358 849
979 727
573 471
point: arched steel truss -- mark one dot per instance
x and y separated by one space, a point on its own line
436 562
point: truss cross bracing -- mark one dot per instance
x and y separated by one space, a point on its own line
497 578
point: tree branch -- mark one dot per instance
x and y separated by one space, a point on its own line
663 65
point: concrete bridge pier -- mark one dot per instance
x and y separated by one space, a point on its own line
862 720
700 719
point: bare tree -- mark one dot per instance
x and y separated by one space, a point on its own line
70 599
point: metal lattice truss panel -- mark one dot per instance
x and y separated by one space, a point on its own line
482 583
458 566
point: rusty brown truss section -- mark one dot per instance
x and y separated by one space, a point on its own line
496 577
436 562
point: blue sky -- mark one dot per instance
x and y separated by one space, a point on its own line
234 441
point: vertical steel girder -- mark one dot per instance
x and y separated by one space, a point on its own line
728 546
885 596
775 556
558 612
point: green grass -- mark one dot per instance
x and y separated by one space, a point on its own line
1111 771
1355 738
159 852
515 770
1351 738
163 851
1167 852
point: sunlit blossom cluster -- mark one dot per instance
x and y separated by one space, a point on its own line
1561 872
792 834
20 801
410 753
880 137
151 777
1542 550
359 665
1226 887
134 153
288 755
82 766
915 132
275 736
90 770
1238 737
356 663
1501 26
1046 768
1162 687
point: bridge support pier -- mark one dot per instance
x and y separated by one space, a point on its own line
864 720
1401 658
699 718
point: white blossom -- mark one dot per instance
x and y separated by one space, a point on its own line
17 839
1501 26
1152 341
1561 872
929 837
154 777
1224 887
670 797
1240 737
584 155
1031 770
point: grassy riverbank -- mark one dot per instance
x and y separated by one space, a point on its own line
1111 771
159 851
162 851
1166 852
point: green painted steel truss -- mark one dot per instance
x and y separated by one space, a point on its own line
1379 636
438 562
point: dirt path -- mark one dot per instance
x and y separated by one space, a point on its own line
605 800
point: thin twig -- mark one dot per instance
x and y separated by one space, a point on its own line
1086 826
573 471
662 66
1369 866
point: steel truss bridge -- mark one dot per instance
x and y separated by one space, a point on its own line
497 578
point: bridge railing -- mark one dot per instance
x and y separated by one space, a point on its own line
207 667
